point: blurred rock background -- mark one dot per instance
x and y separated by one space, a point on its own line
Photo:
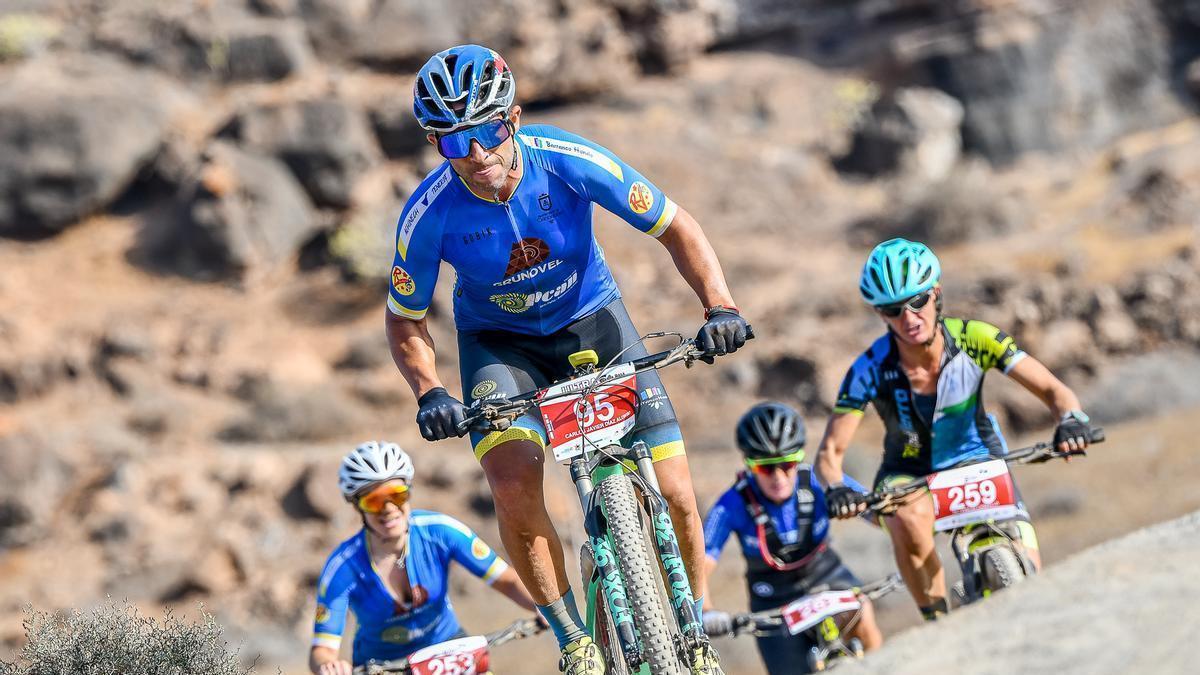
197 202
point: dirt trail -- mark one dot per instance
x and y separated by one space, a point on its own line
1125 606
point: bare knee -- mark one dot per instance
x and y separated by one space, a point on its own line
676 484
912 526
514 471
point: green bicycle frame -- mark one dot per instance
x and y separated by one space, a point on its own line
605 580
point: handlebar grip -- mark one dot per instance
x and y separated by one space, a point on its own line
1097 435
749 332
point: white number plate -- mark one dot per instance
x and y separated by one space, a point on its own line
811 610
972 494
605 416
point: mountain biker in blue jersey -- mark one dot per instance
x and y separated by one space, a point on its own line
511 211
777 510
925 379
394 573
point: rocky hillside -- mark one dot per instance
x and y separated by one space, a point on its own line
196 205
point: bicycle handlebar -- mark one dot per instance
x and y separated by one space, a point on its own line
882 500
521 628
771 620
499 414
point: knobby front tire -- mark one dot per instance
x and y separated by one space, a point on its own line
637 571
1001 568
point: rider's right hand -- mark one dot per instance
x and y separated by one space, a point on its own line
717 622
336 668
844 501
439 414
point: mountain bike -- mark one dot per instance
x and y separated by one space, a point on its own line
975 502
640 607
822 617
461 656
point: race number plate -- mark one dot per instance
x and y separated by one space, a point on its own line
464 656
604 417
810 610
972 494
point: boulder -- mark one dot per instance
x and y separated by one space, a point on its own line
240 211
326 143
1045 80
1192 76
913 132
1066 343
395 126
221 40
73 135
792 379
1144 385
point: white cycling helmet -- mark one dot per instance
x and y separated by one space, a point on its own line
373 462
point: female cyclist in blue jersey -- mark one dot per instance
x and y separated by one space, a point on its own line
777 510
393 574
924 377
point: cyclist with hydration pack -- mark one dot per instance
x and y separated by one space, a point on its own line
925 379
511 211
394 573
777 510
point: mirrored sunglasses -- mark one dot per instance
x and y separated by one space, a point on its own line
375 500
489 135
913 304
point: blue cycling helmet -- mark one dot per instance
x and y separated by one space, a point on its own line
462 86
897 270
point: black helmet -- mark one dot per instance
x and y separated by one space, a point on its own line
770 430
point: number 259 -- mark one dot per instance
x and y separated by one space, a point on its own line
972 495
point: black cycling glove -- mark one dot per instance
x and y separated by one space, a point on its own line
439 415
723 332
844 501
1073 432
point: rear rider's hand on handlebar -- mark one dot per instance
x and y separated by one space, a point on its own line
717 622
844 501
336 668
1073 433
439 414
723 332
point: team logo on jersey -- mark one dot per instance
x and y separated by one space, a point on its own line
640 197
483 389
480 549
515 303
402 282
525 254
544 202
322 613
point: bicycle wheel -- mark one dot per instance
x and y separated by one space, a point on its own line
624 521
1001 568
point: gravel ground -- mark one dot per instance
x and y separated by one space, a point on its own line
1121 607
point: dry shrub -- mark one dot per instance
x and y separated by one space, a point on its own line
117 639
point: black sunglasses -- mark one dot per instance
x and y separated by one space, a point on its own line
914 304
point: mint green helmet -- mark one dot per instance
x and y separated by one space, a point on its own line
897 270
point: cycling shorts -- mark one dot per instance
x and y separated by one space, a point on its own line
499 363
1020 527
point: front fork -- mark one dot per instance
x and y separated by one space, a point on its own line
608 575
968 544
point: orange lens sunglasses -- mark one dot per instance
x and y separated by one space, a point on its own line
375 500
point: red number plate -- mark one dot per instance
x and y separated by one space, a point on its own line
464 656
604 416
972 494
810 610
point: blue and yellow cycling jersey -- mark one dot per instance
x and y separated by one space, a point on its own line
531 264
386 630
960 429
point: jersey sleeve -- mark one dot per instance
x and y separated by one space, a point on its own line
858 388
600 176
467 549
718 523
991 347
418 253
334 586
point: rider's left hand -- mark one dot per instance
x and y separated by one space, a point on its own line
1073 433
723 333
